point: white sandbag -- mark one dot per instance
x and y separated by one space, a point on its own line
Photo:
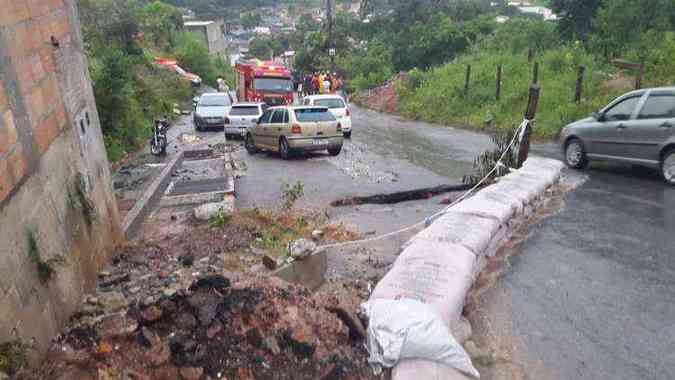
409 329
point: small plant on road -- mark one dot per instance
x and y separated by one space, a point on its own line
291 194
220 220
487 160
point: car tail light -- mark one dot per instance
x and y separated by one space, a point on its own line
349 113
227 120
295 129
339 127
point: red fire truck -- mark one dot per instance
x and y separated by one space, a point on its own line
259 81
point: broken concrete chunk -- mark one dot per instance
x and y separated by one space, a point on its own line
207 211
117 326
191 373
301 248
113 301
269 262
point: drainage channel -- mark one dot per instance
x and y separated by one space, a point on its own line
204 177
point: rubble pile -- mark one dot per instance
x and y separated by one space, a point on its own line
256 328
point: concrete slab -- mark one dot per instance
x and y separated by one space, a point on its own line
309 272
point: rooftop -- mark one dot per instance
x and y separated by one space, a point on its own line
198 23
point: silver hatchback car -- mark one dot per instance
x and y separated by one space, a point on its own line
638 128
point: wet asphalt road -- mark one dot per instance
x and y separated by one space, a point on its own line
593 292
591 295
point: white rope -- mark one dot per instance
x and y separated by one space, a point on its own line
428 220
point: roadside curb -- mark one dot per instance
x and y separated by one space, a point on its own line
151 196
439 265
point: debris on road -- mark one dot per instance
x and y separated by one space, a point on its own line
260 328
402 196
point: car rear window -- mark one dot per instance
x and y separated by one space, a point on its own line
214 101
330 103
313 114
244 111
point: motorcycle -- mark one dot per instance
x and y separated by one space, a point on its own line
158 141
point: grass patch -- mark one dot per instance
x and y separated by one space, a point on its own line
438 95
12 356
274 230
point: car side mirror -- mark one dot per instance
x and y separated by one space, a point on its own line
598 116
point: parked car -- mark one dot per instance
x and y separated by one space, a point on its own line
638 128
337 106
243 116
289 129
211 110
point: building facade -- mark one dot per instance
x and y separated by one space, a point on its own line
58 217
212 33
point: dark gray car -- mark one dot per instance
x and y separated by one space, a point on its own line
638 128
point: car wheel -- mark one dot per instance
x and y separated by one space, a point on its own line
284 150
334 151
348 135
250 145
575 155
668 167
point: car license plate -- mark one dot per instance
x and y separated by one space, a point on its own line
318 142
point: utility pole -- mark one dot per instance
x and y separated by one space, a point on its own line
331 43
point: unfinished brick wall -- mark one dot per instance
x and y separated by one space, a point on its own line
383 98
54 179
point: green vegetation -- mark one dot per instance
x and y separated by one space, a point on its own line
12 356
45 268
291 194
437 95
122 38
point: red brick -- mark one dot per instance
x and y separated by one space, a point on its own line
37 71
34 35
46 132
19 41
46 27
10 127
60 113
17 164
24 74
47 58
36 104
60 26
6 180
18 12
50 93
3 96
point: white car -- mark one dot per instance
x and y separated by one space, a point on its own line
337 106
243 116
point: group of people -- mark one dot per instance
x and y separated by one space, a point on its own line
321 83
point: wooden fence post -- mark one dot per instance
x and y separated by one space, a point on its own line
468 80
580 84
530 113
535 73
499 82
640 76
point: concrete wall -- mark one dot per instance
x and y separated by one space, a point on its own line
50 146
212 35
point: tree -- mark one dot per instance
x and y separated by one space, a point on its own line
622 23
161 22
250 21
265 47
576 17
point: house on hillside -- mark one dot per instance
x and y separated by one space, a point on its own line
212 32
